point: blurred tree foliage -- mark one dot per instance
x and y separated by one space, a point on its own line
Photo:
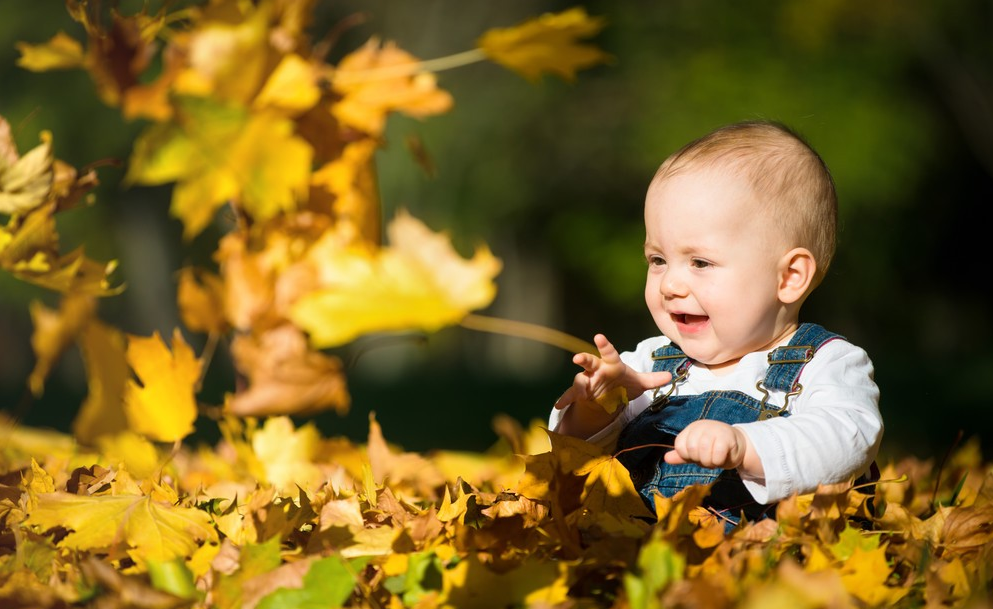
896 96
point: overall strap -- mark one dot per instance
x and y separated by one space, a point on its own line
671 359
786 362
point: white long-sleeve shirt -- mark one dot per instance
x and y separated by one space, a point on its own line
833 431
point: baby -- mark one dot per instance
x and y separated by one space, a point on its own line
736 392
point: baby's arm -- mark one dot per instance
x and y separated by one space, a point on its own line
833 432
601 375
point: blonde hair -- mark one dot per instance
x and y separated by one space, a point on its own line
784 171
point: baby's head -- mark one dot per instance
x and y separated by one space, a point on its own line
790 181
740 227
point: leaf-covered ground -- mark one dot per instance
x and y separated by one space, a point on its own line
278 516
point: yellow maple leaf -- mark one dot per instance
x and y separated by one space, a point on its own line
865 574
546 44
218 154
419 282
613 399
62 51
287 455
376 80
608 488
136 453
163 407
147 529
455 510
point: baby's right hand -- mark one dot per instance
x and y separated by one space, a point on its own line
592 387
599 376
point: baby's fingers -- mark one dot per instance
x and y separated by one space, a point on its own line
607 351
587 361
654 380
673 458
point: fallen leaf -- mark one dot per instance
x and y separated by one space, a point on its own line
287 454
147 529
865 574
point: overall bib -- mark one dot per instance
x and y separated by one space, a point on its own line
668 415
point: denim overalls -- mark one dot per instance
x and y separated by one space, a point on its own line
667 416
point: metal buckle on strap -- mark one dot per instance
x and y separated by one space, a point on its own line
658 402
767 411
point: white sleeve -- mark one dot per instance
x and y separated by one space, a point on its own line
640 360
833 431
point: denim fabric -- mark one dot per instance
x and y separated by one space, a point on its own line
667 416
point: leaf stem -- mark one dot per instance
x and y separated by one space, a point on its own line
521 329
447 62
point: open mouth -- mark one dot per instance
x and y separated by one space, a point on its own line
686 320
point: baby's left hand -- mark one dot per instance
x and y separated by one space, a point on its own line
710 444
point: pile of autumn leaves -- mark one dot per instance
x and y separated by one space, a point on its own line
263 137
278 516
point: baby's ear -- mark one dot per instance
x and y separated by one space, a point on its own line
797 268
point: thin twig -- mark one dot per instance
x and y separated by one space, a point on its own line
640 446
535 332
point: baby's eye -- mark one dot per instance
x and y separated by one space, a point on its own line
699 264
656 260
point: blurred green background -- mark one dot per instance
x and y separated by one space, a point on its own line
897 96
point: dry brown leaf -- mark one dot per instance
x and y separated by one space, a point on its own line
285 376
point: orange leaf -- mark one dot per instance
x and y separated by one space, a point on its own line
285 375
200 296
375 81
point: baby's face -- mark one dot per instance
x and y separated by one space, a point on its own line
713 266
